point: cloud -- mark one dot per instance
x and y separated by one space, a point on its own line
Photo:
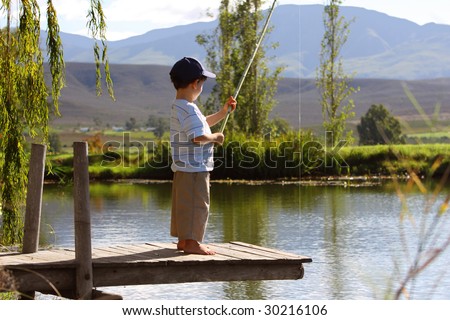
144 15
72 10
157 12
126 18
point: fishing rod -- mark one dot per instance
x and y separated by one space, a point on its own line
241 81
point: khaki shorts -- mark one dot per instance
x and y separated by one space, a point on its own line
190 205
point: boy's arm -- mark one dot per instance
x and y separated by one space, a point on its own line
216 117
207 138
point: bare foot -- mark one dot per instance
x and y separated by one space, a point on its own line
181 244
193 247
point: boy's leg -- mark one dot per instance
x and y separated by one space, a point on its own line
190 210
173 216
201 196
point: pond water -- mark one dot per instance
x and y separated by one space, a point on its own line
360 246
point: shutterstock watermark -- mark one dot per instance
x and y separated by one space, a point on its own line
252 154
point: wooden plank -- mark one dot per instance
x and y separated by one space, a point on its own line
66 253
57 258
63 279
43 280
40 259
186 258
139 246
111 256
256 255
129 254
199 273
138 253
136 248
14 258
140 275
156 253
24 259
104 255
270 250
256 251
124 255
54 258
230 252
113 251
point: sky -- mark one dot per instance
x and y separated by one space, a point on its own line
126 18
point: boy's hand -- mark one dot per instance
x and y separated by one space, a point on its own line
231 102
219 138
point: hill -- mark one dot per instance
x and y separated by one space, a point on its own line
142 90
379 46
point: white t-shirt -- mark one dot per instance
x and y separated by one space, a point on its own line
186 123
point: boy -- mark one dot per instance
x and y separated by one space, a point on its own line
192 144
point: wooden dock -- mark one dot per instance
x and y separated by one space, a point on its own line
78 272
53 271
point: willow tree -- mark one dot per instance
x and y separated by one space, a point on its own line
229 49
25 104
332 81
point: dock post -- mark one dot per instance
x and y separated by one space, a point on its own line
33 204
34 199
82 219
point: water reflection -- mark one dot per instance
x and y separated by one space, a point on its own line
254 215
352 234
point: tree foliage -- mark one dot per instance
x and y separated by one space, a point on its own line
229 49
160 125
333 83
378 126
24 107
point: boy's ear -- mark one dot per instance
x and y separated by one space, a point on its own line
194 84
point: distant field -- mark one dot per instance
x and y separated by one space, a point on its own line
69 136
430 135
425 131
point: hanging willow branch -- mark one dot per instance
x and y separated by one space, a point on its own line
32 93
24 108
97 27
55 55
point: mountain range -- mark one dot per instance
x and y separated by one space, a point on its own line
378 46
387 54
144 90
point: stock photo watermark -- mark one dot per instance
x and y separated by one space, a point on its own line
233 154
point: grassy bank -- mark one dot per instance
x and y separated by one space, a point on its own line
425 160
266 160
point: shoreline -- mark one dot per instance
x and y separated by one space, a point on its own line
350 181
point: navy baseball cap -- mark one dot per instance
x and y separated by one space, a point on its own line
188 69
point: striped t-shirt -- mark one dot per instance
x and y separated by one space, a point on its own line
186 123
